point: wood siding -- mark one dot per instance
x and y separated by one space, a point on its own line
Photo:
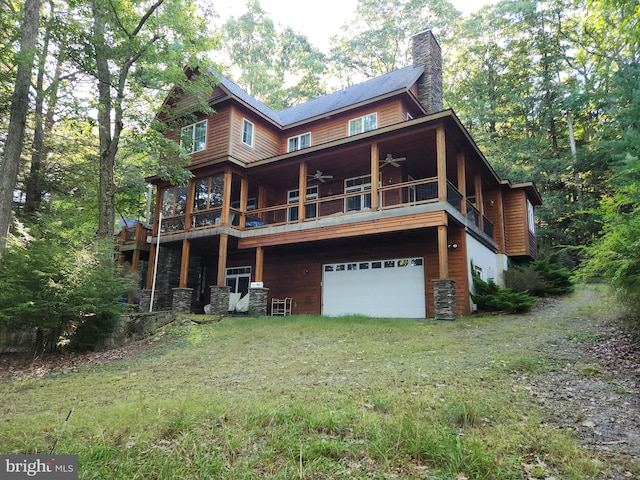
266 139
515 219
394 224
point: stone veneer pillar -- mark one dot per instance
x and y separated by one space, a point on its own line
444 296
219 299
145 299
258 299
181 300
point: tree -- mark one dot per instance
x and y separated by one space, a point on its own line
377 41
19 106
280 69
125 47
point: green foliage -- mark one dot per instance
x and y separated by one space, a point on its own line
47 285
544 276
490 297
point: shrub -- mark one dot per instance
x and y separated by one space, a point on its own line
490 297
545 276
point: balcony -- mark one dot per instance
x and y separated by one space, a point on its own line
394 200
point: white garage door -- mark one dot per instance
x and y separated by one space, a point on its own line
380 288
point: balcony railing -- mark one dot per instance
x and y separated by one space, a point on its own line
393 196
134 234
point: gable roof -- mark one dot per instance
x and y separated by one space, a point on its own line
396 81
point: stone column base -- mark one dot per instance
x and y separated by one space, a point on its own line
444 296
145 299
258 300
219 300
181 300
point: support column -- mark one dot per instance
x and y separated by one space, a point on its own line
302 192
477 185
462 182
152 265
226 197
259 263
441 160
184 263
222 258
375 177
244 196
443 252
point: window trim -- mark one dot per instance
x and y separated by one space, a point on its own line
193 137
245 133
363 128
298 138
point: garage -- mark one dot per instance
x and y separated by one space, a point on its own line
378 288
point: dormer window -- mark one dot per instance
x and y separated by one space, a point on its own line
363 124
299 142
193 138
247 132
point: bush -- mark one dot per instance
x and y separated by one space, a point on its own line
490 297
50 286
545 276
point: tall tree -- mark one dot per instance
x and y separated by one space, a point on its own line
280 68
377 40
125 45
19 106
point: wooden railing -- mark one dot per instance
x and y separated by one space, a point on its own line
398 195
135 234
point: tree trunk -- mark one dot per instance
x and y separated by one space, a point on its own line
18 117
106 192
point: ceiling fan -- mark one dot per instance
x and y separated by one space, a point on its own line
392 161
319 176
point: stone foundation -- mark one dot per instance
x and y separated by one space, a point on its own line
181 300
145 300
444 296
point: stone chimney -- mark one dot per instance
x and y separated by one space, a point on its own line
426 53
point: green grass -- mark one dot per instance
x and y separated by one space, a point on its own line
308 397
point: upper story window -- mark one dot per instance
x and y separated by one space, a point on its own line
311 211
174 201
208 193
299 142
193 138
530 217
247 132
357 184
363 124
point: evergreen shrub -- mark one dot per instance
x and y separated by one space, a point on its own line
490 297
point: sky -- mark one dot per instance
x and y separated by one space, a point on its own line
318 21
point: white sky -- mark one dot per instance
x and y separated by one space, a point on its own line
319 21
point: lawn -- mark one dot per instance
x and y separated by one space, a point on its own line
314 398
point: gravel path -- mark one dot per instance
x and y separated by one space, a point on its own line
594 392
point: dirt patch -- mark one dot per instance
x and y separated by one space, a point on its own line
17 366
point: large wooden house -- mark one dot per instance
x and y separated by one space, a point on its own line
372 200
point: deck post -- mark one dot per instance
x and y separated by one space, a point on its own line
222 258
441 160
184 263
375 176
462 183
302 192
259 263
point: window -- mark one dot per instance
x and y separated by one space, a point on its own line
299 142
531 221
208 193
193 138
357 184
174 201
363 124
238 279
247 132
311 211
